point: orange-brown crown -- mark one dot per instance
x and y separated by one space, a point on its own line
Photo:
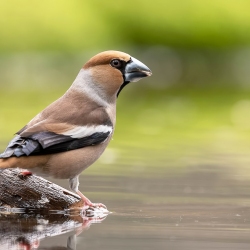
105 58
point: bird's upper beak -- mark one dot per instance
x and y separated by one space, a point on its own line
135 70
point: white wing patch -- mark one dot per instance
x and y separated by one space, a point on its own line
83 131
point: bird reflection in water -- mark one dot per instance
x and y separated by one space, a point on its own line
24 231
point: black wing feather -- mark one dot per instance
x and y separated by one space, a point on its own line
49 143
91 140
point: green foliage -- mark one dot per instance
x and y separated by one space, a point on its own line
81 25
174 127
189 110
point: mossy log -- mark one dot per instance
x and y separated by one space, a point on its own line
34 192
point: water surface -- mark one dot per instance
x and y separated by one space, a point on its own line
201 207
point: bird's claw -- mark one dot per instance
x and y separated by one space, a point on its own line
92 206
98 205
88 203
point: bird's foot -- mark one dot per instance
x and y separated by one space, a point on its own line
24 173
88 203
96 205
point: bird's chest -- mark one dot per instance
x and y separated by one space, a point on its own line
111 111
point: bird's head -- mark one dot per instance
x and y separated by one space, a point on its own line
112 70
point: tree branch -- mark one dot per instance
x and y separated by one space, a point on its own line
34 192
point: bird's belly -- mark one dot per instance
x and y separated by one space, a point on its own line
68 164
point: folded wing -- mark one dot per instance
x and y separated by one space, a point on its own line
80 122
47 142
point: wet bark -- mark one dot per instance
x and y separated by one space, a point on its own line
34 192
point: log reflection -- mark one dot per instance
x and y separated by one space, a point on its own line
26 230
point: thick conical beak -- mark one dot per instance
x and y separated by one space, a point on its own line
135 70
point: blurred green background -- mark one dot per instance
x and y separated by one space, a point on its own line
194 110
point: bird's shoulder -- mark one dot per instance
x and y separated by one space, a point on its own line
66 114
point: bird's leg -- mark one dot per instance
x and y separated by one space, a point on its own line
86 201
74 183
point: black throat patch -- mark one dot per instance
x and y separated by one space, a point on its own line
122 86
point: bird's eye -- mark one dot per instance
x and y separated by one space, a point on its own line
116 63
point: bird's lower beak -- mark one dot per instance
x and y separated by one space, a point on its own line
135 70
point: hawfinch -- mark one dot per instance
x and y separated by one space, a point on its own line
72 132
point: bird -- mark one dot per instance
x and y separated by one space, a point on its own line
72 132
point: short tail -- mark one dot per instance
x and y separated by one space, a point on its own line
7 162
24 162
7 158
